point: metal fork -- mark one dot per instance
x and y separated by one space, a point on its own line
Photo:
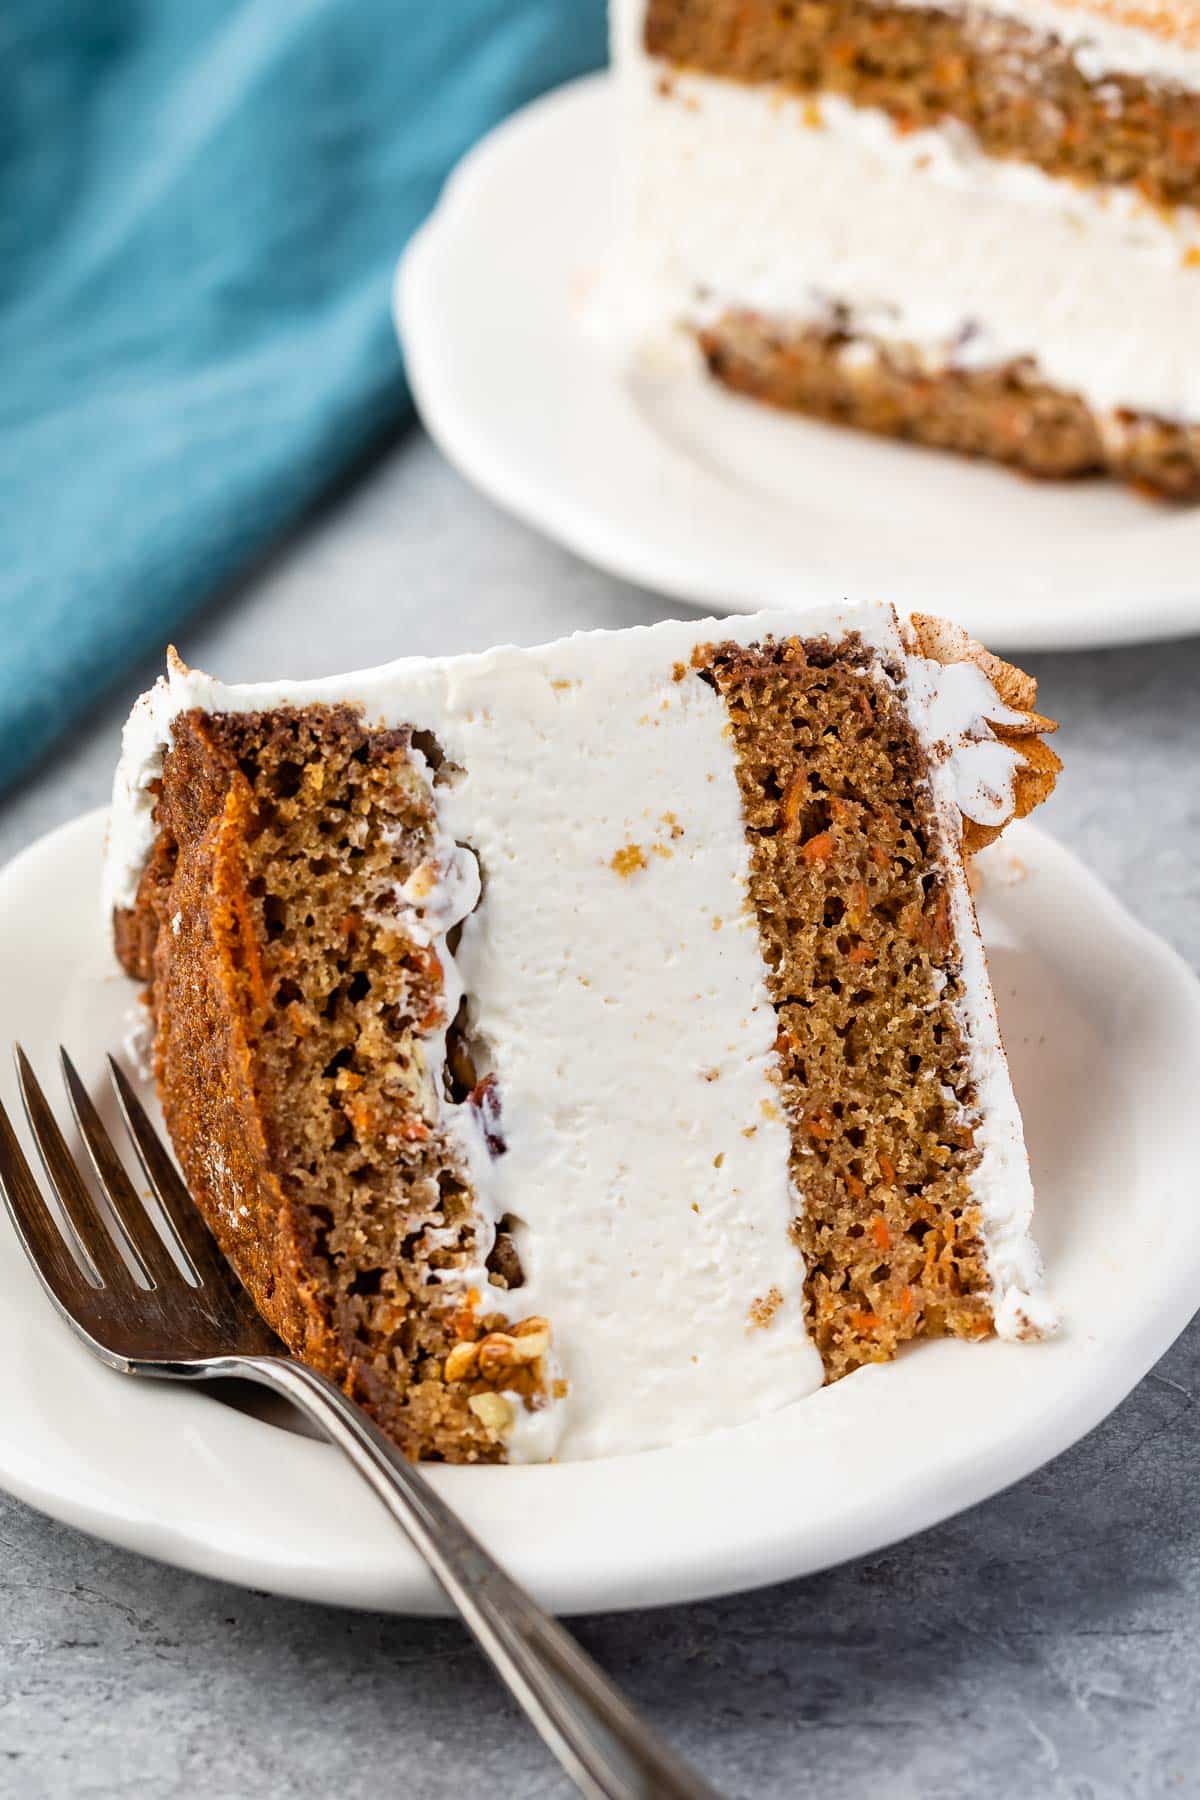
118 1283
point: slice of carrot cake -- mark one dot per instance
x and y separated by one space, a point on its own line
579 1049
976 226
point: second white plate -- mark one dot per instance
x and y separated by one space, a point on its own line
662 477
1103 1027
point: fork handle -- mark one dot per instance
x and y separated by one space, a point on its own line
609 1752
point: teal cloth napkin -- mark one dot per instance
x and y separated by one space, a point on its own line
201 207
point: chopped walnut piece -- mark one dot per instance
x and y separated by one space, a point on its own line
496 1354
527 1348
494 1413
500 1352
462 1362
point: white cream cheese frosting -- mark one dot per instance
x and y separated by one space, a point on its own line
592 849
741 196
953 707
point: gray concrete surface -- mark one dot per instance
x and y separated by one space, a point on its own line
1044 1644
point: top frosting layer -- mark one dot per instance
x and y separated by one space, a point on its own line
420 691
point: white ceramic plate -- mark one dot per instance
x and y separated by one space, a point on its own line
667 480
1103 1027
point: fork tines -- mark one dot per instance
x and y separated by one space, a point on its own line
136 1285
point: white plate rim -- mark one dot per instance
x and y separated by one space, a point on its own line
174 1438
703 546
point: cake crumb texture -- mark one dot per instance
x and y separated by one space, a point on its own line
848 882
293 1012
1008 414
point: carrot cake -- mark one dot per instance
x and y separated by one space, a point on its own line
975 226
579 1049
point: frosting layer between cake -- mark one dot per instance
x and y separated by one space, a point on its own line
817 211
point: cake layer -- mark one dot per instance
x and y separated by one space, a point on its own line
1021 91
1154 40
852 900
297 1022
805 212
509 1003
1007 415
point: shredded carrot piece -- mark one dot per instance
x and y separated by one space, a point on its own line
791 801
361 1115
248 937
887 1167
424 960
880 1232
819 848
860 953
855 1188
